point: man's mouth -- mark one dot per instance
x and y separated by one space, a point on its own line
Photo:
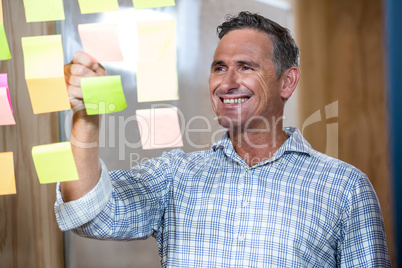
238 100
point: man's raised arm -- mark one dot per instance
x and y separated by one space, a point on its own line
85 128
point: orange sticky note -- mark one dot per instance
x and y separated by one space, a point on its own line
7 175
100 40
6 115
159 128
44 73
1 12
54 162
157 71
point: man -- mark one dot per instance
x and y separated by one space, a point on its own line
260 197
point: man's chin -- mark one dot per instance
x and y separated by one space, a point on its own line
229 124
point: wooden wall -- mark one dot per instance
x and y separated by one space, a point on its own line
29 236
342 59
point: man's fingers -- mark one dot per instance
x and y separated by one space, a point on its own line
74 92
86 60
99 69
74 81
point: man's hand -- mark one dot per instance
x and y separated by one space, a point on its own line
82 65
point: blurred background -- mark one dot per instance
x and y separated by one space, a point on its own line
346 105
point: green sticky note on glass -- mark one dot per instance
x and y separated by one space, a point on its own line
152 3
54 162
97 6
103 95
4 49
43 10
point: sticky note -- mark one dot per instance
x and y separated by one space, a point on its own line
54 162
44 73
43 10
4 83
7 175
152 3
157 60
4 49
100 40
6 116
96 6
159 128
103 94
1 12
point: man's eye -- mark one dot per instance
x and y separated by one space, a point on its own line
246 68
219 69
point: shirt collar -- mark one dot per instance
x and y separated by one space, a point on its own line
295 143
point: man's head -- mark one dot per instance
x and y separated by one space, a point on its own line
285 51
247 88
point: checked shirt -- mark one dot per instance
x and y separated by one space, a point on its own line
300 208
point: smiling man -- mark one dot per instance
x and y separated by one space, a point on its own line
260 197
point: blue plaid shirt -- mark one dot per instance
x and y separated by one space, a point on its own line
209 209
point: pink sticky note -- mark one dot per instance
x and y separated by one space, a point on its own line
159 128
100 40
3 83
6 116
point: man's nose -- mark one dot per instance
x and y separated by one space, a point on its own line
231 80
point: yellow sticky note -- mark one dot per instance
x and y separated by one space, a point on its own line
103 94
4 49
159 128
157 60
152 3
100 40
6 115
43 10
54 162
44 73
7 175
43 56
96 6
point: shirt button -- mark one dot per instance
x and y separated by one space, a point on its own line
245 204
241 237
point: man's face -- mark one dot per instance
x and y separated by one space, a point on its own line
244 89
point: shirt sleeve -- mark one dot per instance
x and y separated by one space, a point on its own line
71 215
364 241
124 205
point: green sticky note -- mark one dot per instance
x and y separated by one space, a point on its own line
54 162
96 6
43 10
152 3
103 94
4 49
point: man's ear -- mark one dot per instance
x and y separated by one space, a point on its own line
290 79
